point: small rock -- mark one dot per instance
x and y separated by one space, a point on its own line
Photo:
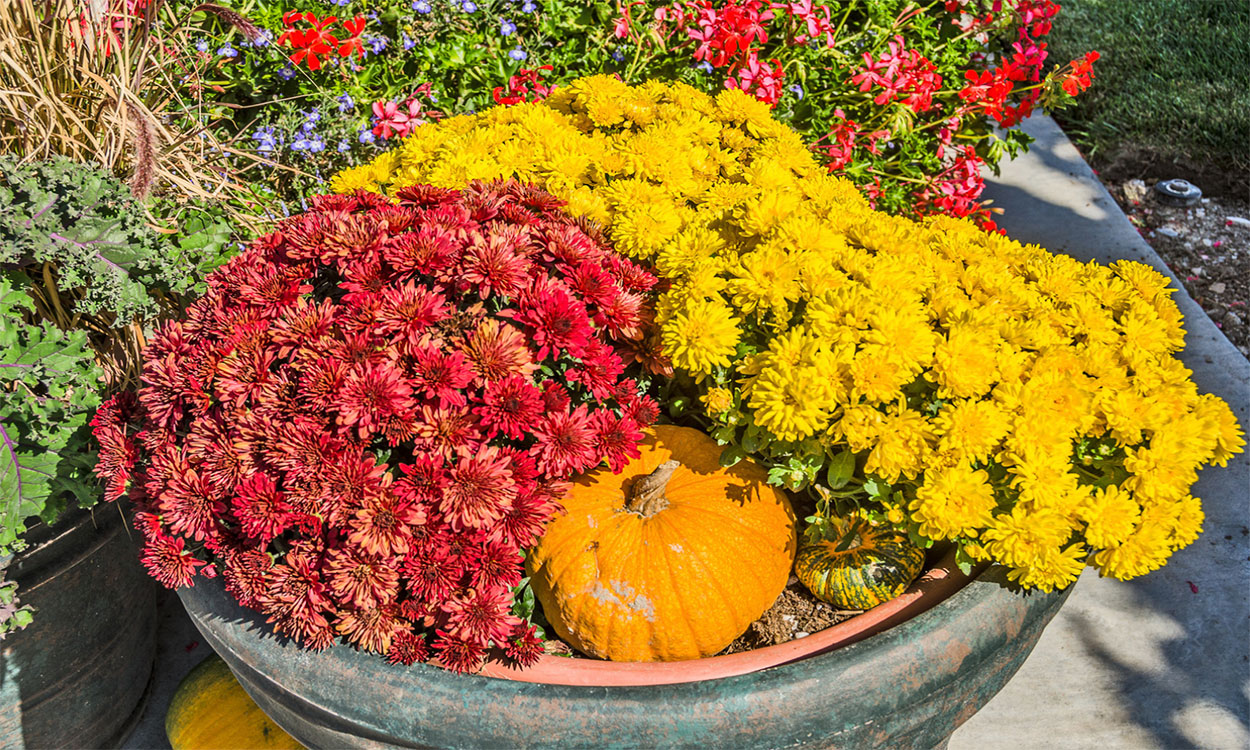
1135 190
1218 288
1231 319
1167 231
1238 221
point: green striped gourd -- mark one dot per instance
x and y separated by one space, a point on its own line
858 565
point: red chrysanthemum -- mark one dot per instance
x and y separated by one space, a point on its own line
524 647
565 442
494 266
381 526
441 376
510 407
558 321
261 509
497 350
457 654
370 628
372 411
370 395
168 562
481 615
479 489
407 648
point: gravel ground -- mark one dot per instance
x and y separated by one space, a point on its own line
1206 245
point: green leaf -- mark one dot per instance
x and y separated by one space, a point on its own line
841 469
731 455
875 487
963 561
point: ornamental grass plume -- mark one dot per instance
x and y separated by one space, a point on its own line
960 386
375 408
101 82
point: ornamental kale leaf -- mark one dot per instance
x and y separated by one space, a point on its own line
49 387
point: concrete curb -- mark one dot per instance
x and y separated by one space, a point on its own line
1150 663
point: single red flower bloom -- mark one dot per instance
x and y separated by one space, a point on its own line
381 526
510 407
369 628
457 654
479 490
481 615
262 510
407 648
352 43
168 562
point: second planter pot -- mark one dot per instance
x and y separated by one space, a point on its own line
78 675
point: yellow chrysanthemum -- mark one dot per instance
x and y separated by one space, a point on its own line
876 375
929 348
970 430
964 364
1146 549
1110 515
903 445
1054 569
1023 539
793 403
701 336
953 502
717 400
859 427
1220 423
765 281
1156 475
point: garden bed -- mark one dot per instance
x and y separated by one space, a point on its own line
1206 245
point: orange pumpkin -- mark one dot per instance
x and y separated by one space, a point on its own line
671 559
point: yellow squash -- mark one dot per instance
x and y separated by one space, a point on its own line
671 559
211 711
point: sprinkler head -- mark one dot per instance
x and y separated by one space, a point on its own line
1177 192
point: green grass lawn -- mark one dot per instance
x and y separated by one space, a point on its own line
1172 87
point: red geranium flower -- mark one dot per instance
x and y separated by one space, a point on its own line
309 44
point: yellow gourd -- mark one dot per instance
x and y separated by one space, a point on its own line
671 559
211 711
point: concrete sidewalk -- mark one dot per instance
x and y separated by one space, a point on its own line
1153 662
1150 664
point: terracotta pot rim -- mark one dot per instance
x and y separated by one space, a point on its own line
935 585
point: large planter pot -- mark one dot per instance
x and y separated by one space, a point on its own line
78 675
909 685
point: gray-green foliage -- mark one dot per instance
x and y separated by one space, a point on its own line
49 388
87 226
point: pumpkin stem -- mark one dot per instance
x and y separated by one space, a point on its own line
647 497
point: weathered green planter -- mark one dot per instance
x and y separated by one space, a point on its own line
77 677
907 687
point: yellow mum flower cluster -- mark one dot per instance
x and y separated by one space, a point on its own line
1024 405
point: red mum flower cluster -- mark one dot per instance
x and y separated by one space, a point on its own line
372 410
